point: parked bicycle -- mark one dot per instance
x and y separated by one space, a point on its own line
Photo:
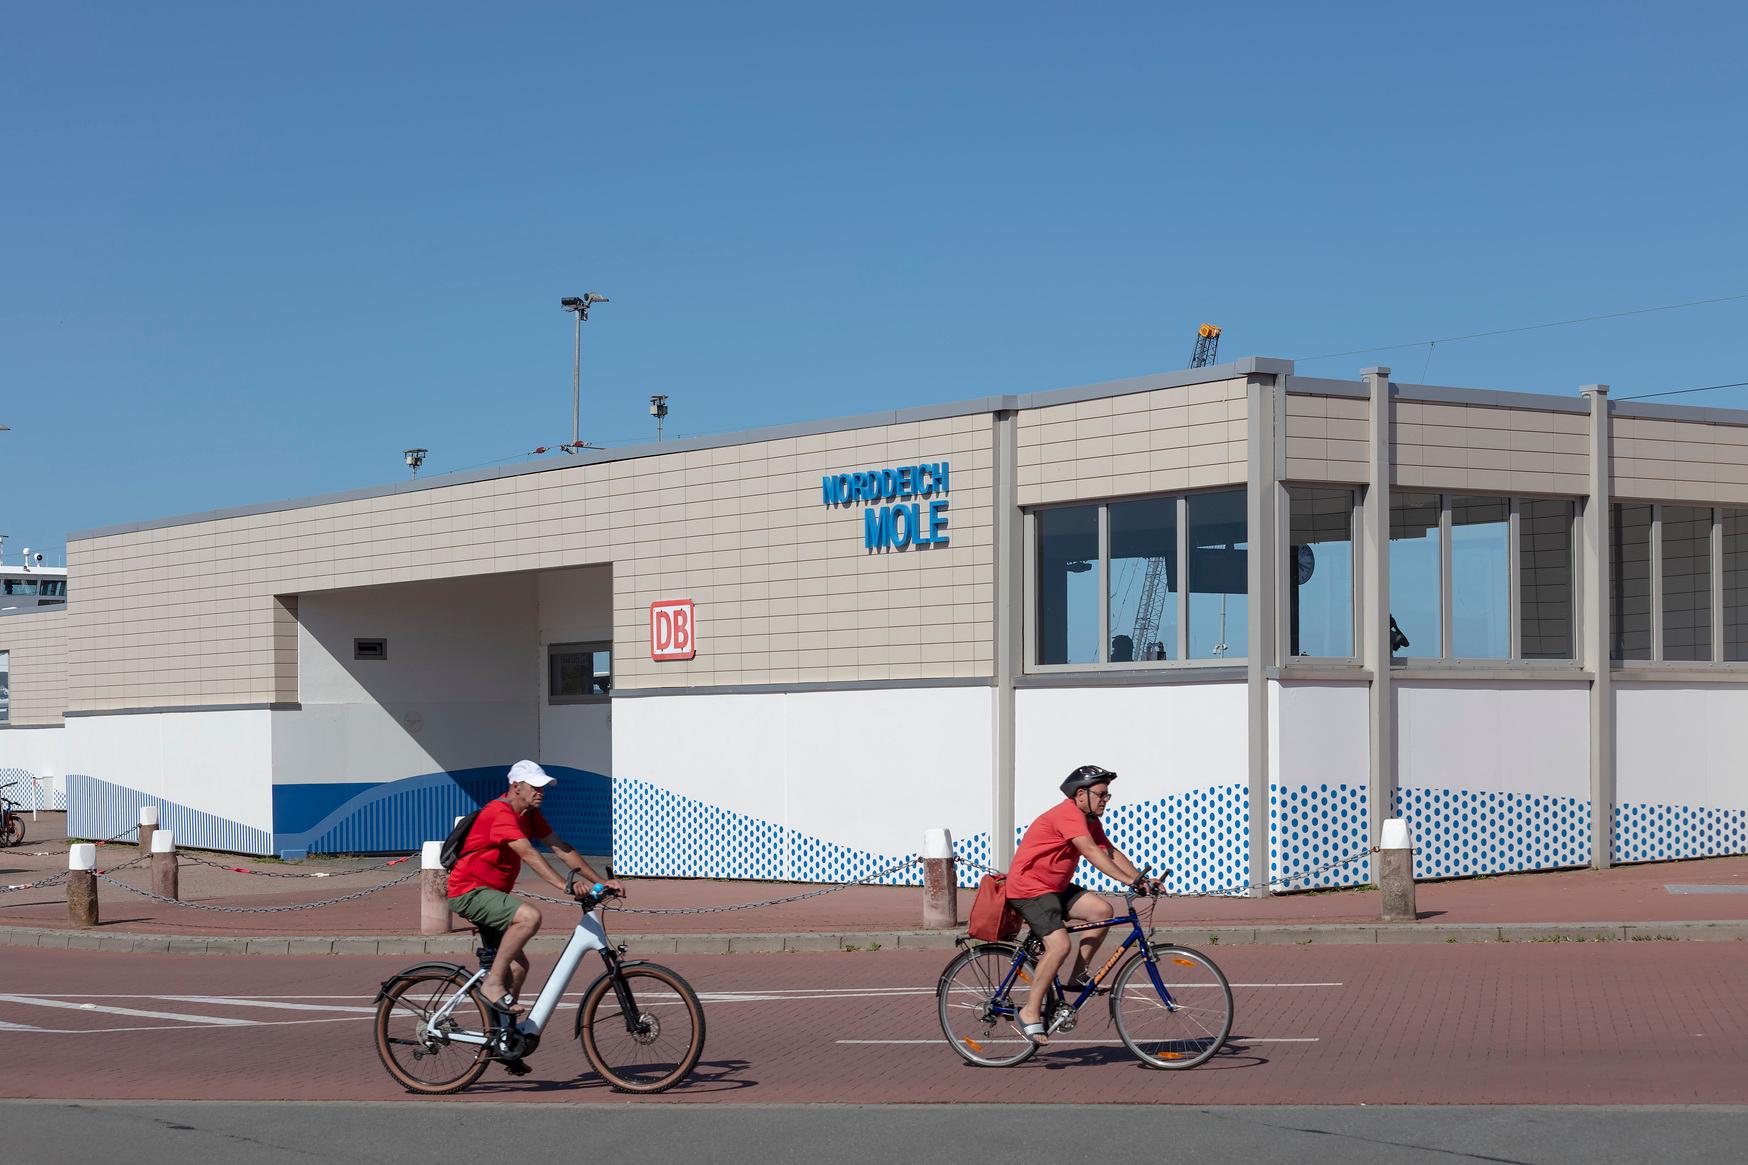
11 822
641 1025
1171 1006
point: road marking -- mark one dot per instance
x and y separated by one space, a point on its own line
211 1020
238 1001
1054 1040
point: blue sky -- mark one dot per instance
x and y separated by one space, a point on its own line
254 251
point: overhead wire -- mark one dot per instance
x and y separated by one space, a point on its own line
1681 391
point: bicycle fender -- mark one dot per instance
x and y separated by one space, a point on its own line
414 970
605 975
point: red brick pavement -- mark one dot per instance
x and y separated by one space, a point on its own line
1614 1023
1624 894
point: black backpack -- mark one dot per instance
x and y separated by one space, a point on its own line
456 842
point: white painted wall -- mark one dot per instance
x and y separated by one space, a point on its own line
1318 735
455 691
1520 738
574 606
866 769
1160 740
216 762
1680 745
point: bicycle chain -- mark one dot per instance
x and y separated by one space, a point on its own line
669 910
258 909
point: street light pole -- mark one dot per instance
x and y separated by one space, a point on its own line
579 304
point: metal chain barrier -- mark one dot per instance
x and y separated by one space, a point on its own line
258 909
191 859
1232 890
40 884
820 893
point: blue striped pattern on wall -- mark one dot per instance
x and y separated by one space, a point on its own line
399 816
98 809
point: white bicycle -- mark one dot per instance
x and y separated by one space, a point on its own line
640 1024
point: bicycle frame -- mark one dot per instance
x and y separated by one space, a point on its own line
589 935
1136 936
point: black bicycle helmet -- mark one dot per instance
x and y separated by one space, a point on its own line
1085 777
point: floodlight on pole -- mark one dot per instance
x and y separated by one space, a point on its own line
658 408
414 458
580 304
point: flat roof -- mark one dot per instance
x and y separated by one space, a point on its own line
1245 366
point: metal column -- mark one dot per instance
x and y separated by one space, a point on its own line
1594 566
1374 583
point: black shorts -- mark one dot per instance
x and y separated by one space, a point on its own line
1044 914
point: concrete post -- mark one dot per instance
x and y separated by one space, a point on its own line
433 890
1263 582
1396 872
148 826
1593 571
1374 584
166 879
82 884
1007 632
940 885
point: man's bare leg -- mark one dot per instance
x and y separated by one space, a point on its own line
1056 948
510 958
1089 907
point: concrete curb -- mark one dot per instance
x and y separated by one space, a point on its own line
461 945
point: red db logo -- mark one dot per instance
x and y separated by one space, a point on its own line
673 631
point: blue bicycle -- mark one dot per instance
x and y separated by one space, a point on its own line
1172 1006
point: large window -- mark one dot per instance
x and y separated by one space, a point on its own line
1678 584
1144 581
1481 578
578 673
1320 572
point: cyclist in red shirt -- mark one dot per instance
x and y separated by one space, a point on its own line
1040 883
502 838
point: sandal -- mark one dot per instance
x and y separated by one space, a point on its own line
1036 1033
504 1005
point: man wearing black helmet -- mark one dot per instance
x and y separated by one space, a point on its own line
1039 883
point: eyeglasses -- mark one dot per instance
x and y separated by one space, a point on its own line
1104 796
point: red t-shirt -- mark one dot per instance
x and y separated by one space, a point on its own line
487 859
1045 861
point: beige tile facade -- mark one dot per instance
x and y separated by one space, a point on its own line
1680 461
196 614
1479 449
1326 438
37 643
1165 441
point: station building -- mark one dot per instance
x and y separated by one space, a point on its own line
1283 608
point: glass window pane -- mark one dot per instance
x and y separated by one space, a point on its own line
1415 583
1629 584
1735 585
1219 553
1687 583
1144 579
601 671
1320 572
5 686
1068 585
1480 578
1545 602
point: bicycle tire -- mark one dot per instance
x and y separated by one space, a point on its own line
616 1052
402 1019
1178 1037
14 831
962 997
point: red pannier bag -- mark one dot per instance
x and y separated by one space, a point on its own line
992 919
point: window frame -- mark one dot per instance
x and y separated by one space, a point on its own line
1181 596
554 650
1714 580
1283 596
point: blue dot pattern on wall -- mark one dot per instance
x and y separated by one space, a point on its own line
1313 825
1649 833
1200 836
658 833
1458 832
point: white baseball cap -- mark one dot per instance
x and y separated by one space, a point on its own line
530 774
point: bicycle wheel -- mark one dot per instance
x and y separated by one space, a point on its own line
14 831
660 1044
1184 1032
418 1056
966 1001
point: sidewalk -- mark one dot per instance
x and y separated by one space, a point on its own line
1629 902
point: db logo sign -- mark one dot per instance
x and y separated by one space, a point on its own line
673 632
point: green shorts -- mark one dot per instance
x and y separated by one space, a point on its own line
491 910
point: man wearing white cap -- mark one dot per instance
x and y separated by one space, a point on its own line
502 838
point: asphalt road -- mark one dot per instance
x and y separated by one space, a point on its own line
166 1133
1541 1023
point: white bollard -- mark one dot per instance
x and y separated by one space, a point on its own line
82 884
148 826
434 916
940 887
1396 871
166 878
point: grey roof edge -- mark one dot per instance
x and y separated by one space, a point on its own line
1258 365
1709 416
